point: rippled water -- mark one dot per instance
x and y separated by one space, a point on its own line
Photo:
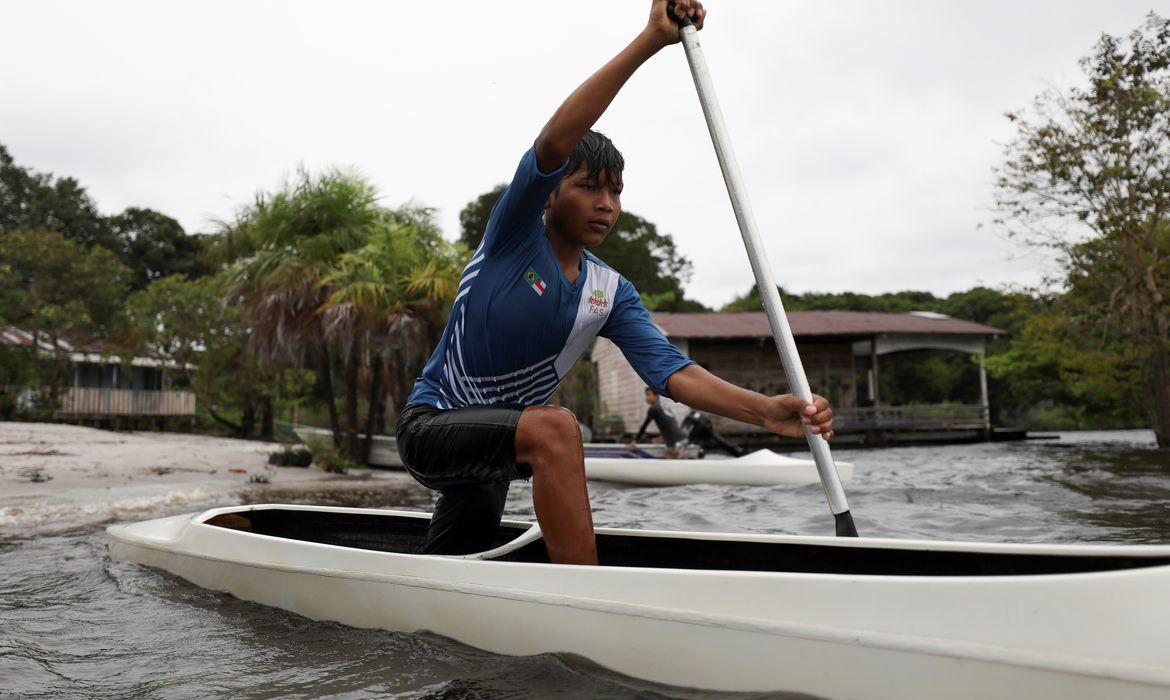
73 623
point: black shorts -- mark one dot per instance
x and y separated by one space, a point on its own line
449 448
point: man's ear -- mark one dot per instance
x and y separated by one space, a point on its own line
549 202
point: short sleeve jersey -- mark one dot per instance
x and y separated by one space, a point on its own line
517 324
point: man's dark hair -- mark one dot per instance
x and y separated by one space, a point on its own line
598 152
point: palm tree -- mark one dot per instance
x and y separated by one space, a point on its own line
386 304
333 280
283 244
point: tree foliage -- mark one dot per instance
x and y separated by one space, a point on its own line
1088 175
155 246
40 201
332 280
61 293
979 304
151 244
201 342
474 217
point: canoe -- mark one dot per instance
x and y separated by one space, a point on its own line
832 617
760 468
642 449
383 448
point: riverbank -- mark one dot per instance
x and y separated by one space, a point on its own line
56 477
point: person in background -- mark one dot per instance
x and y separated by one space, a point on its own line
672 434
700 431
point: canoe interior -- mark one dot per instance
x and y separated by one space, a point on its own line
404 534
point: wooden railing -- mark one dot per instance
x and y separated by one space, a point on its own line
932 417
126 402
923 417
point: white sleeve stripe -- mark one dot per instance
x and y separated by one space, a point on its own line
520 388
476 260
509 375
454 385
468 277
461 364
536 391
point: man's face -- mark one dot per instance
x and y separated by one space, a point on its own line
584 210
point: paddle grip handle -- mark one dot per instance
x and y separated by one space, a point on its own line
683 21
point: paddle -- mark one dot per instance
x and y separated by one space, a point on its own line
781 333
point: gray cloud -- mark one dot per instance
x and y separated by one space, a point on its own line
866 130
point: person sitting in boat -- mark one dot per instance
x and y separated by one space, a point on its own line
672 435
529 302
701 431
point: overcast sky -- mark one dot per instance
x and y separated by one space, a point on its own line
866 131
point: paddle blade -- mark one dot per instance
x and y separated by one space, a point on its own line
845 526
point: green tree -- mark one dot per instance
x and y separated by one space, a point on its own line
154 246
987 306
61 293
474 217
151 244
891 302
1088 175
332 280
1055 369
284 244
202 342
387 299
39 201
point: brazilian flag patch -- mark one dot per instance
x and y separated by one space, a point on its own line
534 281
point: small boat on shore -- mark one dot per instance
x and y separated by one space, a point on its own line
760 468
383 448
832 617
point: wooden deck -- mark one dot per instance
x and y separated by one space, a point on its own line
125 403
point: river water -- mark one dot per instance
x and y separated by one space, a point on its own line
74 624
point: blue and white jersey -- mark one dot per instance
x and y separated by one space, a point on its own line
518 324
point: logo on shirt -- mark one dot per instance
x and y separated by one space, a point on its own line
534 281
598 304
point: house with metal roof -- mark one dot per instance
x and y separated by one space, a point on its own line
103 388
840 351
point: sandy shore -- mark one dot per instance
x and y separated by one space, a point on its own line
56 477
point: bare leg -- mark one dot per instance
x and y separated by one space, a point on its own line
549 440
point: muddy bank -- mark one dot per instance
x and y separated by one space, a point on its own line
56 477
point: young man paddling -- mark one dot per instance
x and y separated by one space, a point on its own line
529 302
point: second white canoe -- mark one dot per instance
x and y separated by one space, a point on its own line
760 468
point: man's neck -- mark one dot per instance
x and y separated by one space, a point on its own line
568 255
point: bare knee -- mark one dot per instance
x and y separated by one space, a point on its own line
547 434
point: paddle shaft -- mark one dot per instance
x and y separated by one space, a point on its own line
781 332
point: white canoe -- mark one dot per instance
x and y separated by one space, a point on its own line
383 448
833 617
644 449
760 468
